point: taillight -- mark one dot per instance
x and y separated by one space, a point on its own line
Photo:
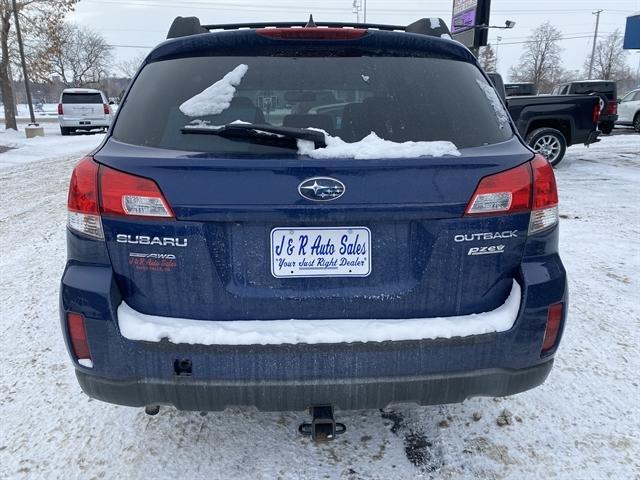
529 187
597 109
124 194
78 337
545 196
504 192
106 109
60 111
612 108
312 33
554 319
82 202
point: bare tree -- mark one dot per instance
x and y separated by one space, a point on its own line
540 63
487 58
80 56
38 19
610 59
128 68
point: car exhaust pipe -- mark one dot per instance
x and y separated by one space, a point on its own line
152 409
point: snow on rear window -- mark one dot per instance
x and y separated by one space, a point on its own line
496 103
216 98
372 146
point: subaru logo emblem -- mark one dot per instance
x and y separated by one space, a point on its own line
321 189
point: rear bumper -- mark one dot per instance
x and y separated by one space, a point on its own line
294 376
84 122
185 393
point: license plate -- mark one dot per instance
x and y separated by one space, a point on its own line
321 252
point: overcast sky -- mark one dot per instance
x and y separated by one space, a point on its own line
131 24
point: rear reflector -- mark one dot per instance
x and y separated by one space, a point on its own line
545 196
129 195
312 33
504 192
78 336
554 318
82 202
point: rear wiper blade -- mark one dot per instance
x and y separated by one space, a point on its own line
259 131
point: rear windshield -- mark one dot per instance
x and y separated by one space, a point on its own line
514 89
399 98
81 98
607 89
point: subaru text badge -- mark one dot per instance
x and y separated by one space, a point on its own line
321 189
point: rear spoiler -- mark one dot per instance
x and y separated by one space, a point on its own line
186 26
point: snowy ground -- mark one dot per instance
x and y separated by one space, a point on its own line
584 423
20 150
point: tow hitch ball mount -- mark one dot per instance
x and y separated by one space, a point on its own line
323 426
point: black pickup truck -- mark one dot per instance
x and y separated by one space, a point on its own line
551 123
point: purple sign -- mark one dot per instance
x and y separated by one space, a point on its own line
464 15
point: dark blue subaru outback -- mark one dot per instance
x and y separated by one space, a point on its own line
288 216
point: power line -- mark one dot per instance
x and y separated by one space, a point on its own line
293 8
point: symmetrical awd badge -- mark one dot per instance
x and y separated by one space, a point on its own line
321 189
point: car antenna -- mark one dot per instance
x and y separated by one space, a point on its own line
310 23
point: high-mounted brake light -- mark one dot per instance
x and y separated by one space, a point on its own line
78 337
528 187
504 192
60 110
312 33
82 202
129 195
554 319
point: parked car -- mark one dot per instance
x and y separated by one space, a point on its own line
551 124
629 110
216 257
83 109
607 90
520 89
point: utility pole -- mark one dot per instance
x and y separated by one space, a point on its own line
595 38
499 39
365 11
24 63
357 6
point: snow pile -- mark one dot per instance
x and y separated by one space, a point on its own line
199 124
372 146
216 98
138 326
496 103
23 150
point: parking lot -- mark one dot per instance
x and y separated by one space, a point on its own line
582 423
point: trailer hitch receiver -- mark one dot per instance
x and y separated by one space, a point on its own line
323 426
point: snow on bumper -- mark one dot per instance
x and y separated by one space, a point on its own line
138 326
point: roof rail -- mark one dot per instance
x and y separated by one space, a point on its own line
185 26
